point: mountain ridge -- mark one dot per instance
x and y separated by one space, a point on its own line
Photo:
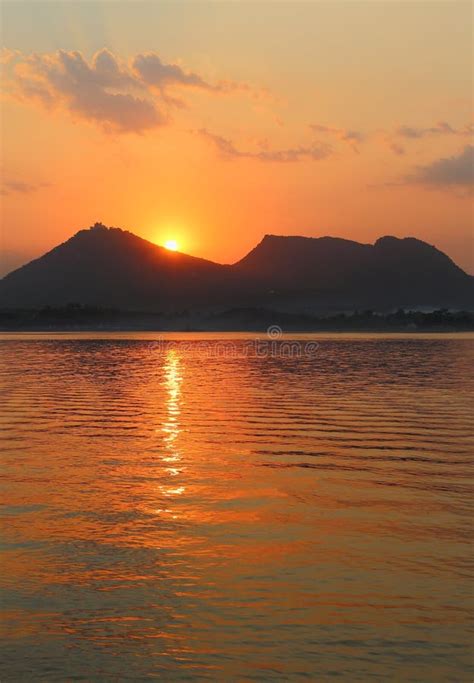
108 266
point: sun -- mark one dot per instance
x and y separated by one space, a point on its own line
172 245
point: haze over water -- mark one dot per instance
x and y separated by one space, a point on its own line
174 512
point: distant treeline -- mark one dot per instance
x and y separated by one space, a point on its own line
79 316
70 312
368 319
71 315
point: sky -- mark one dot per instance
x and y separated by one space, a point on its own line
215 123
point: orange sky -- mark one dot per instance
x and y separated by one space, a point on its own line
215 123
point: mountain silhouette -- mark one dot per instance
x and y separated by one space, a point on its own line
111 267
392 272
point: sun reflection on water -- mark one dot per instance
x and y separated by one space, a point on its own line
171 427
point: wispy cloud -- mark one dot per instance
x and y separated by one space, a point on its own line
118 96
151 69
229 150
20 187
441 128
397 139
352 137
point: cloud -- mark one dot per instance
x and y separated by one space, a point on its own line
103 91
109 92
20 187
154 72
228 150
352 137
7 55
448 172
395 139
396 147
441 128
402 134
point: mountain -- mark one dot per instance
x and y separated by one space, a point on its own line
111 267
391 273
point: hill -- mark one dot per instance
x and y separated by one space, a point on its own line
110 267
332 272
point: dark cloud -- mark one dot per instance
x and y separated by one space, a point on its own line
105 90
450 172
228 149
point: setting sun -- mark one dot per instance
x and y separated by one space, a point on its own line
172 245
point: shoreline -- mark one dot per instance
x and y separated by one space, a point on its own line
79 319
285 333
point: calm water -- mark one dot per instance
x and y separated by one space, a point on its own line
184 511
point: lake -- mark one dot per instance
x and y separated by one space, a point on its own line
216 507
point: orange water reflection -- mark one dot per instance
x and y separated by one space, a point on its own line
169 515
171 426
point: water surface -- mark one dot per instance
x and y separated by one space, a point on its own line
180 510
